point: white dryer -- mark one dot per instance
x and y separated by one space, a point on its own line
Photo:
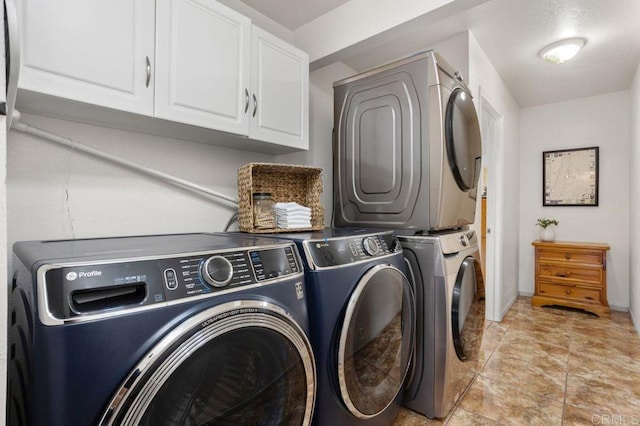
407 147
445 272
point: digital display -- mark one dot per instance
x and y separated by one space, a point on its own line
273 263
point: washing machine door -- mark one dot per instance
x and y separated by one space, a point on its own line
462 138
468 310
376 341
244 362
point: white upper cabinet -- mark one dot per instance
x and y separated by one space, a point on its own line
94 51
193 62
202 71
280 91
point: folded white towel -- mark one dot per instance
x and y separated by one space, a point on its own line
291 207
293 216
291 226
294 223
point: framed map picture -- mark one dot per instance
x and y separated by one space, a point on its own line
570 177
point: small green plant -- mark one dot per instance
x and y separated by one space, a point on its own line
544 222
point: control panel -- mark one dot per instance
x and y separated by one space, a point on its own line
458 241
222 271
331 252
92 289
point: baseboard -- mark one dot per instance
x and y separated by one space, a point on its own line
504 311
619 308
525 294
509 305
636 324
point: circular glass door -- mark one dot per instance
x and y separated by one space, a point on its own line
376 341
462 139
468 310
236 364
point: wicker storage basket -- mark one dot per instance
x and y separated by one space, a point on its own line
286 183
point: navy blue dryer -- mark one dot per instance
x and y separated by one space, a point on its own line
362 318
159 330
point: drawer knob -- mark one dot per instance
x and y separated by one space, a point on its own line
568 291
567 256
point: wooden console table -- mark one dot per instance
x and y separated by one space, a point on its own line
572 274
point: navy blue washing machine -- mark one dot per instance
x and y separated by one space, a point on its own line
159 330
362 319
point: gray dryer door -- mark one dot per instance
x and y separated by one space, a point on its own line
462 138
242 362
379 158
375 341
453 191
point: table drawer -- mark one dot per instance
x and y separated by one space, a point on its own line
570 291
588 275
590 257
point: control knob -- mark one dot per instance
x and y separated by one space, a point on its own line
370 246
217 271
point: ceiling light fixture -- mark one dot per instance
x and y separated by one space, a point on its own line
561 51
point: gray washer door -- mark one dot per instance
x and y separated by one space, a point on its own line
467 311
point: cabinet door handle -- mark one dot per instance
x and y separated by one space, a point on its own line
255 105
148 71
246 100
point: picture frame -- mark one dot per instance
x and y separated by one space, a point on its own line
570 177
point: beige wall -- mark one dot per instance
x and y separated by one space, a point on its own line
601 121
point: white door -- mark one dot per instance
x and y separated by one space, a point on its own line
202 75
280 91
491 141
93 51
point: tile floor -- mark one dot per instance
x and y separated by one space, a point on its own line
550 366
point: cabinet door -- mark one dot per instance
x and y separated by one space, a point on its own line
202 61
92 51
280 96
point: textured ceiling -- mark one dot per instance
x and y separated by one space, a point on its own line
512 32
294 13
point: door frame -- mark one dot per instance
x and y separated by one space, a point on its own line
492 152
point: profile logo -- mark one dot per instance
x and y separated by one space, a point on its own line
72 276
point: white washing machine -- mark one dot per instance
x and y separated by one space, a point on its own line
407 147
445 271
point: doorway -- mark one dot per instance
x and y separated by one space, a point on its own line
491 207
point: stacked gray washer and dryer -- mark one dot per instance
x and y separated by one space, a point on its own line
407 157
